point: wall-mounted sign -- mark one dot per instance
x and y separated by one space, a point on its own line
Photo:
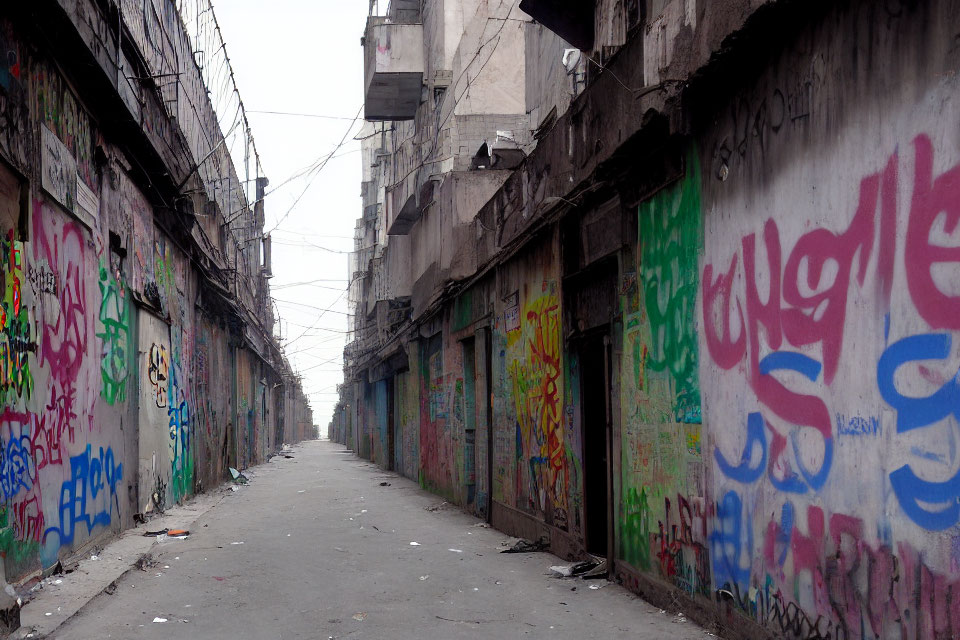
61 180
59 169
88 204
511 318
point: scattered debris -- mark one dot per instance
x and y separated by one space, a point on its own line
422 578
154 534
593 568
359 616
482 525
526 546
145 562
302 491
384 484
159 619
178 533
219 578
111 588
238 477
286 456
232 488
456 550
414 544
94 557
598 571
680 618
438 506
240 542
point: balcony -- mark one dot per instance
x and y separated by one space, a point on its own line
572 20
402 211
393 68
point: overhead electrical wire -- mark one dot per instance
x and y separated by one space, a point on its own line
319 169
301 115
316 321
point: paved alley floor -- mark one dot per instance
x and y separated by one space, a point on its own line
315 548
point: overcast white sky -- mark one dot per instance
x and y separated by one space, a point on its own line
304 56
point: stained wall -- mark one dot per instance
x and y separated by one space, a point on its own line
118 377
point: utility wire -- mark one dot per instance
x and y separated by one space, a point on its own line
301 115
320 168
315 321
456 100
310 306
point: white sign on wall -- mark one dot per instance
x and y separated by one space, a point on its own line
59 169
88 204
63 183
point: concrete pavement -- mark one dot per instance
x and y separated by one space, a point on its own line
315 547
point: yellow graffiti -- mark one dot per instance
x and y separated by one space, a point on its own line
538 399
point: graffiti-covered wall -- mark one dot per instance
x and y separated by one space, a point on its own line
531 463
783 361
662 525
828 332
118 369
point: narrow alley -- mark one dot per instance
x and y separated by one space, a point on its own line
318 547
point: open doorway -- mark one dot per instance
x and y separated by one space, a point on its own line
594 386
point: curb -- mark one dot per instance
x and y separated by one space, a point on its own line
54 604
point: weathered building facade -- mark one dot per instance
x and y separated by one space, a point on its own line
137 335
707 327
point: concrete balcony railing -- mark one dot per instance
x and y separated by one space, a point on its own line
393 68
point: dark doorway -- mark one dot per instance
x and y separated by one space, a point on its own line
391 426
594 385
470 419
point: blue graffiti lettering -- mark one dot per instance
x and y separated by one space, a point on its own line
726 544
756 437
790 361
858 425
915 413
89 476
785 532
810 368
16 467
